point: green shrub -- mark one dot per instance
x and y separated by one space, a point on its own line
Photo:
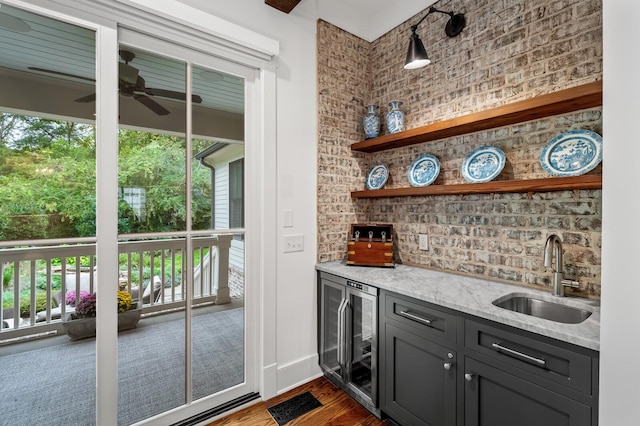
7 277
7 299
25 304
27 227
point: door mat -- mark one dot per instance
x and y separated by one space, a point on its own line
294 407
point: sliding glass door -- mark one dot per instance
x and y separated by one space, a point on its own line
181 218
47 219
178 255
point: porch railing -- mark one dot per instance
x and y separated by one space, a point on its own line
151 271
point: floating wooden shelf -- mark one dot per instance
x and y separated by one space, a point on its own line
500 186
568 100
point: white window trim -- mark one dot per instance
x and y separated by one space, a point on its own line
184 24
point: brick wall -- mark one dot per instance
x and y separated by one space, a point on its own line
509 51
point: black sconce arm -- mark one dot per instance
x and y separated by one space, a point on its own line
454 26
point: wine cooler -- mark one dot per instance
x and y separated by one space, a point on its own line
348 344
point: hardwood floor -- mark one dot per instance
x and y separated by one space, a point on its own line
338 409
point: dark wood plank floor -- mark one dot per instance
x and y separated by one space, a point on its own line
338 409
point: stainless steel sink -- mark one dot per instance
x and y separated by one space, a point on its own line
536 307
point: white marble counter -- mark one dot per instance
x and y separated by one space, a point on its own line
474 296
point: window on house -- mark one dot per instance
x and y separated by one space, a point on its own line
236 194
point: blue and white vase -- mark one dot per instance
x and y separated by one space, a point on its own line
395 118
371 122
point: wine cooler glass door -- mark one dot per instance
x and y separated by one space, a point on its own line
362 346
333 328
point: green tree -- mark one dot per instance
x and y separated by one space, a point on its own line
38 133
47 181
9 124
156 164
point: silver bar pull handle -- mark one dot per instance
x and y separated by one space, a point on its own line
341 333
417 318
509 351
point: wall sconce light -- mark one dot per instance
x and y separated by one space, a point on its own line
417 55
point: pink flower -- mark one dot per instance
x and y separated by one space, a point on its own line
70 298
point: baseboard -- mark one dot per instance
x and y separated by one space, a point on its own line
269 383
297 373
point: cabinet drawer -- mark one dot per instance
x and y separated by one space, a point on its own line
532 356
421 317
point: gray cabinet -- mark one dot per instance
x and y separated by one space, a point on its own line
515 377
493 397
419 362
441 367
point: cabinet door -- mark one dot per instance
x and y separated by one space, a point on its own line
332 331
418 380
493 398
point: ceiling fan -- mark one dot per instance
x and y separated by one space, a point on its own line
130 84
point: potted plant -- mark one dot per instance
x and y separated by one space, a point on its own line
82 322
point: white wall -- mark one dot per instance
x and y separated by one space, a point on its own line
619 333
296 174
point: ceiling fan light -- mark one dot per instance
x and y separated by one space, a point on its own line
127 73
417 56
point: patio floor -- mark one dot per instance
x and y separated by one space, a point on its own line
52 381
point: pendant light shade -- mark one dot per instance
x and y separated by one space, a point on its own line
417 55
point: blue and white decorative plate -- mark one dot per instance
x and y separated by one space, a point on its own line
424 170
377 176
572 153
483 164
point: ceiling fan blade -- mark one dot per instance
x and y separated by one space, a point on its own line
65 74
171 94
87 99
151 104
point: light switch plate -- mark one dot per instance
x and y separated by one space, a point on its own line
293 243
287 218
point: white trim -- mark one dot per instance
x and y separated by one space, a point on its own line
297 373
191 27
267 228
218 27
107 224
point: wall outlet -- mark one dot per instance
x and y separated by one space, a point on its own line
423 242
293 242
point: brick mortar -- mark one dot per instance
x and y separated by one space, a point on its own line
509 51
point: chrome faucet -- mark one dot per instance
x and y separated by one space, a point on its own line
553 251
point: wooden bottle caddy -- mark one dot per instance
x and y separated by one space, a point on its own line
370 245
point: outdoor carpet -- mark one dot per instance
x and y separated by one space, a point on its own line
56 385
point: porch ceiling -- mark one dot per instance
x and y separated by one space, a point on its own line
57 46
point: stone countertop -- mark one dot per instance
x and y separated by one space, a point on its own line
474 296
